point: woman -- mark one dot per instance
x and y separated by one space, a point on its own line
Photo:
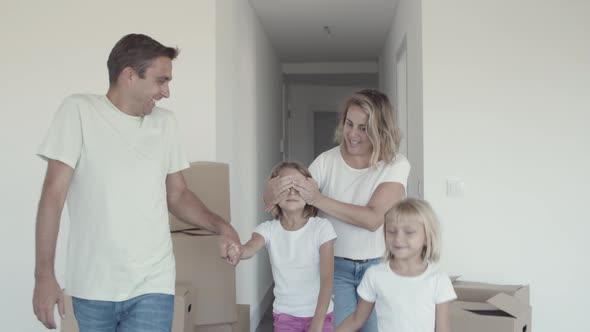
354 184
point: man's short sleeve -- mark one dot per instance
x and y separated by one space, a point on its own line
63 141
177 160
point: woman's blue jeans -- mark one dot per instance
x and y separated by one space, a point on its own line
347 276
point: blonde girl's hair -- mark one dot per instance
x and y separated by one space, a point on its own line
416 211
382 129
309 210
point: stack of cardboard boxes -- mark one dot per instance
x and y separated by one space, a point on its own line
205 299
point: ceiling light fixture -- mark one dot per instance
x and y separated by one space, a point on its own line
328 31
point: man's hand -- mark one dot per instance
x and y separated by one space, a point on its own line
234 253
46 294
230 245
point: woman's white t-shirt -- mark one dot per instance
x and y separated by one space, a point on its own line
341 182
295 261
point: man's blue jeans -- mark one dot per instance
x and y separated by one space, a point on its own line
347 276
145 313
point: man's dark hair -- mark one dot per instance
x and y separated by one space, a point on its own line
136 51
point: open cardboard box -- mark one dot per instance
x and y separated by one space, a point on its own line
482 307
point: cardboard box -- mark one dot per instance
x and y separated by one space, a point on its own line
210 182
243 322
482 307
182 321
183 307
200 267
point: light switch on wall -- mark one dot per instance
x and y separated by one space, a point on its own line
455 187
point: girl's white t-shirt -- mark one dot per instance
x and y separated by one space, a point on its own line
405 304
119 242
343 183
295 261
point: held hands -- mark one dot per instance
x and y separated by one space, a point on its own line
231 252
230 241
46 294
234 253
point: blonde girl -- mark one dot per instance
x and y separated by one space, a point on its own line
407 289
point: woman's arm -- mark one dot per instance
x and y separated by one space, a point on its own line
358 318
326 281
276 189
443 321
370 217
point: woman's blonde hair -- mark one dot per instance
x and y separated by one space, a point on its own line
417 211
382 129
309 210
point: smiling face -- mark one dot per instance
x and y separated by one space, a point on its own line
292 201
354 132
405 239
146 91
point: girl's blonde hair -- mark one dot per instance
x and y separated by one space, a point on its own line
417 211
382 129
309 210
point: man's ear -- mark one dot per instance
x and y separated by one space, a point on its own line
127 74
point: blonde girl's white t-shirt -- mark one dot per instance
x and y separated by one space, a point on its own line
295 261
119 243
341 182
405 304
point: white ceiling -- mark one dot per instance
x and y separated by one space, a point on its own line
296 28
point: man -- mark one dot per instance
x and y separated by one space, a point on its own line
118 160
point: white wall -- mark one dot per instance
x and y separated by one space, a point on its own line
249 128
506 109
407 25
54 48
302 101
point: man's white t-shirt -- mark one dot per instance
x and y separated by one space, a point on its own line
119 244
405 304
339 181
295 261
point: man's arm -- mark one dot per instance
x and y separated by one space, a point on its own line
47 291
186 206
